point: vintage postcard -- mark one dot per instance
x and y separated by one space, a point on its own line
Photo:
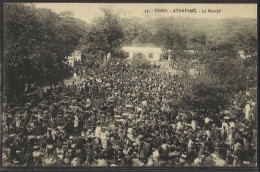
129 85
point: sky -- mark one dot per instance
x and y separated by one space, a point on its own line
88 11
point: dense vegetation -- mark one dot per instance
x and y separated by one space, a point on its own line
35 44
195 33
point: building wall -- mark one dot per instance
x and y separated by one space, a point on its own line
133 52
75 56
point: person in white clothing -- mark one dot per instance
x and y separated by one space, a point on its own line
75 76
76 121
104 138
193 124
225 123
98 130
247 110
155 157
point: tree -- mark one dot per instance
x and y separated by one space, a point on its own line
164 39
67 14
246 42
106 34
132 30
206 93
198 41
250 45
170 40
35 44
224 64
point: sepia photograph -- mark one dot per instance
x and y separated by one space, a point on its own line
129 85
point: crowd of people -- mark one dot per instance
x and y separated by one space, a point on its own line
118 115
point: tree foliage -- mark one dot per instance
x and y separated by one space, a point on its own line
35 44
228 68
106 34
206 93
199 33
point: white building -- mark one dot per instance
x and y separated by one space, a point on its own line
153 54
75 56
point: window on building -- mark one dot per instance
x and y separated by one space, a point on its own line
150 55
138 55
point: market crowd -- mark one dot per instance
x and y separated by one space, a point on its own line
118 115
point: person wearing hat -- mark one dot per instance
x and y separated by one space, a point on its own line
59 151
37 156
216 158
77 160
48 158
128 160
130 135
238 136
29 159
238 155
164 149
114 144
229 157
76 121
101 162
224 134
68 156
104 137
155 156
17 122
183 159
142 149
190 144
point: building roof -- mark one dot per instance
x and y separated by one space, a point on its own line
142 49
